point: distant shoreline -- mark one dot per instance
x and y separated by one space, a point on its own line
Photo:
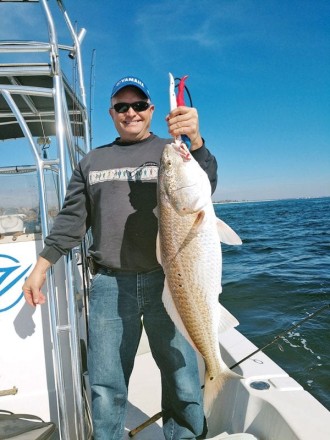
227 202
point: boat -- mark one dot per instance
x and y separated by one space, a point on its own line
43 368
43 350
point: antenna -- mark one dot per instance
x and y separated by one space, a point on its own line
91 93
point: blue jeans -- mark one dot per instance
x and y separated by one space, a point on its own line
118 300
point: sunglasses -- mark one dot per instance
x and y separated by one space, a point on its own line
138 106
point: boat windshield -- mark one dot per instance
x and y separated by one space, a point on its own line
19 206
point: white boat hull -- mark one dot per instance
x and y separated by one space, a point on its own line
27 373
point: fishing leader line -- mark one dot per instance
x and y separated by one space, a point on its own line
312 315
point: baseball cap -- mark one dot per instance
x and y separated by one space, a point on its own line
130 81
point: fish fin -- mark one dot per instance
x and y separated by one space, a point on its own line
199 219
226 320
196 225
227 234
158 253
193 230
212 387
174 314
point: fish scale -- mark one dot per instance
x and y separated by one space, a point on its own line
188 247
197 283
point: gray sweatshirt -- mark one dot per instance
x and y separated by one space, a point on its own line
113 192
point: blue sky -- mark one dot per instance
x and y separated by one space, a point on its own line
259 75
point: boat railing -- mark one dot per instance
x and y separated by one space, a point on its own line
38 103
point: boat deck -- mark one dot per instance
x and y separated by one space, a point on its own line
144 398
267 404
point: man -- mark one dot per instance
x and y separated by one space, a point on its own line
113 192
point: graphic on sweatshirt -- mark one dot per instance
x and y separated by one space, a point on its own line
146 171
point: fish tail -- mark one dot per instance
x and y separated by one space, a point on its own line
213 386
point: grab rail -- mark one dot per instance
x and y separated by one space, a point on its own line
65 147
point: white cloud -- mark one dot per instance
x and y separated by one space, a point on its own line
174 29
19 21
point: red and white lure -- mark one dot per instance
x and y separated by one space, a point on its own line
182 142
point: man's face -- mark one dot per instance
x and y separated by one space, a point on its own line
132 126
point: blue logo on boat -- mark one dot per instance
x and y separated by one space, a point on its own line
11 273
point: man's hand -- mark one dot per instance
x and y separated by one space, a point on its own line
33 284
184 120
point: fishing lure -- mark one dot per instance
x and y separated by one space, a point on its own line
178 100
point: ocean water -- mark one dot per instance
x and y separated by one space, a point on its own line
279 276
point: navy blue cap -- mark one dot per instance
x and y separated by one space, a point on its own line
131 81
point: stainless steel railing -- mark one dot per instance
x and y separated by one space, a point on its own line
66 159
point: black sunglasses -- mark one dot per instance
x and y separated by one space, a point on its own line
138 106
